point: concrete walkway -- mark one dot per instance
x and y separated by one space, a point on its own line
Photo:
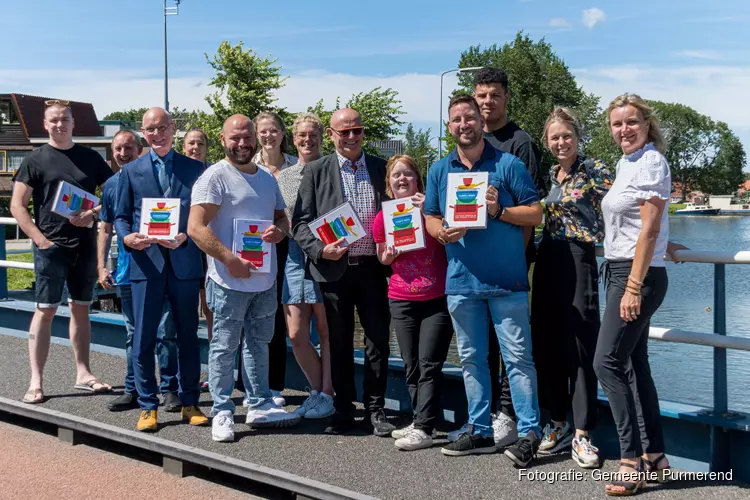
361 463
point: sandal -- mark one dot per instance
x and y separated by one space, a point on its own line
33 396
89 386
628 487
655 474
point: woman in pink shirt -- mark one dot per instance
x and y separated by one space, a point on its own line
419 309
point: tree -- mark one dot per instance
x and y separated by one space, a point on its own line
419 146
538 80
380 110
134 115
599 144
726 173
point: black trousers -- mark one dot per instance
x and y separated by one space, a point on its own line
277 349
363 286
424 331
564 328
621 361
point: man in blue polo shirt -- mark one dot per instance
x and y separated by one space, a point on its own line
487 280
126 147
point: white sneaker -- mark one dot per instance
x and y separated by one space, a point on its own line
454 435
222 427
555 439
504 430
415 439
269 414
402 433
323 407
278 398
308 404
585 454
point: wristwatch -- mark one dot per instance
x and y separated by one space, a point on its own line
95 215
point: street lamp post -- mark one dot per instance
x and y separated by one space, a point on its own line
168 11
442 125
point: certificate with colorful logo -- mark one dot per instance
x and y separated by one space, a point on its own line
249 245
466 205
69 200
341 222
160 218
404 226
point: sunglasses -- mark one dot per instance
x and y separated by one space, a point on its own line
354 131
61 102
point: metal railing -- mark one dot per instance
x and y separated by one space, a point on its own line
719 340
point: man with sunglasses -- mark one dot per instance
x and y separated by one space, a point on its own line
64 249
163 270
349 276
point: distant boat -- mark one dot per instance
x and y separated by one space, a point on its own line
693 209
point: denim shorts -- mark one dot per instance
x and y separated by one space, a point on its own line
297 289
56 266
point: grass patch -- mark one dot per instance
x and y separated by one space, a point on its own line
674 207
20 279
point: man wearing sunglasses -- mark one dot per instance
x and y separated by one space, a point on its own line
349 276
64 249
163 270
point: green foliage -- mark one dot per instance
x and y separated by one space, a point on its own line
419 146
726 173
380 109
20 279
135 115
600 145
538 80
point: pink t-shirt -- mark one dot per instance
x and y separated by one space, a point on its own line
419 274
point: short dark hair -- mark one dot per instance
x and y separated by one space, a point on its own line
463 99
128 131
200 131
488 76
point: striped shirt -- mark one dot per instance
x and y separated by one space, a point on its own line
359 192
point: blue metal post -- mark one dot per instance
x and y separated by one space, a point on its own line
3 271
719 436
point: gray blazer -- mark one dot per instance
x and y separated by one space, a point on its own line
319 193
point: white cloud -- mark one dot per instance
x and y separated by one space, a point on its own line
559 22
592 17
700 54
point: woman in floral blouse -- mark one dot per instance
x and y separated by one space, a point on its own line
565 300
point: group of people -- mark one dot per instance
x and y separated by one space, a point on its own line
474 282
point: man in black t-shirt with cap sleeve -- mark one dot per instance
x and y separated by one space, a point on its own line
64 249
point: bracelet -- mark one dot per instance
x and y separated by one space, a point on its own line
633 290
639 283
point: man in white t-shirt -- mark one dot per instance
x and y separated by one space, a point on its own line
239 296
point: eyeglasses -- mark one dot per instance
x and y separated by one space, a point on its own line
61 102
353 131
153 130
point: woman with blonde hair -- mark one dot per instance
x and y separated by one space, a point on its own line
301 296
271 133
565 303
636 235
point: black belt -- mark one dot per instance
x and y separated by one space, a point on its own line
355 260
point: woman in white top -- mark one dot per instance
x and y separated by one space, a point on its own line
271 133
636 232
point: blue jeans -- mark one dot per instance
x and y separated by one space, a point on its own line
510 315
233 311
166 345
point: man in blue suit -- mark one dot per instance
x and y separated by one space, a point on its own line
162 270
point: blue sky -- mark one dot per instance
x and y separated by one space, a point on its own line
110 53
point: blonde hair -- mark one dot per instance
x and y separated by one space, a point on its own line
654 131
270 115
409 162
311 118
563 115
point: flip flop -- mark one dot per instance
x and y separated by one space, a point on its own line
89 386
33 396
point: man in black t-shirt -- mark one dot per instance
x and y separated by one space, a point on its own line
65 249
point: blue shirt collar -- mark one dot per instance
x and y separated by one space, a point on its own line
488 153
169 157
636 155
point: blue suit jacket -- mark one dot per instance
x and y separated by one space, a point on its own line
138 181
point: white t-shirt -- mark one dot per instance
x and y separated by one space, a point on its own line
642 175
243 196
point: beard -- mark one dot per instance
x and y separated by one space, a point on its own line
468 139
238 156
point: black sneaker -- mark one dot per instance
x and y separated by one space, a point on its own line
124 402
341 423
171 402
524 451
469 443
378 423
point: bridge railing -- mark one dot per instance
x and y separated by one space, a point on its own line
718 339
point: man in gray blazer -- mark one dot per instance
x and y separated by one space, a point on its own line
349 276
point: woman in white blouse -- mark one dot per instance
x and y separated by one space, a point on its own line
636 222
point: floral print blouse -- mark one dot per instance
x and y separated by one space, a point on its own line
573 207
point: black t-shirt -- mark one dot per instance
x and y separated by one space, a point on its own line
43 169
512 139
